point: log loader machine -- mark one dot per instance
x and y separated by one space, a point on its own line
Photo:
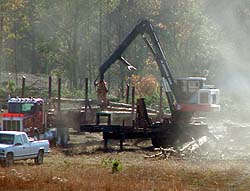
185 96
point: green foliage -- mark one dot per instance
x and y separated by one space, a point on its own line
70 39
58 72
74 93
152 99
114 98
3 94
35 93
188 37
11 86
114 164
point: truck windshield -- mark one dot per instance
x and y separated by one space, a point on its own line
6 139
20 107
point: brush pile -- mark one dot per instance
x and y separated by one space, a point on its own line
195 148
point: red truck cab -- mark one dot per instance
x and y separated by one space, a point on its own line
24 114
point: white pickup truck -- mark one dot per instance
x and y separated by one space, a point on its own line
15 145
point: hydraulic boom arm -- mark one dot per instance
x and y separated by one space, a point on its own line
145 29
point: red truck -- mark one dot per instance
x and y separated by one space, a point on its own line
25 114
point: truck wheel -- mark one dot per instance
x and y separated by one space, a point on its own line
9 160
39 158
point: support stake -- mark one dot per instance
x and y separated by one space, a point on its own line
23 85
59 95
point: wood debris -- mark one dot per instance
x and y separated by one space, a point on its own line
186 149
164 153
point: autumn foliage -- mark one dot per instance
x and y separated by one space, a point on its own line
144 86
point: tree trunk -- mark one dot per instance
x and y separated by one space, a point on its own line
33 40
74 53
1 47
100 32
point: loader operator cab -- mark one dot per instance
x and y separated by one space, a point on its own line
192 90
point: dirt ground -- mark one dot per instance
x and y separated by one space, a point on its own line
86 166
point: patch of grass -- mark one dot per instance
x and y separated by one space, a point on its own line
84 172
115 164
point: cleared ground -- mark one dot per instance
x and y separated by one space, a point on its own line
85 166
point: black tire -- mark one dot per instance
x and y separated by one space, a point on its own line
9 160
155 142
163 138
161 141
39 158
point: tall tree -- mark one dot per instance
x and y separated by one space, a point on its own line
189 37
73 37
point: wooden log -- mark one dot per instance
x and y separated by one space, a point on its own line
194 144
164 153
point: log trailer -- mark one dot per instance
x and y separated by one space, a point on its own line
185 96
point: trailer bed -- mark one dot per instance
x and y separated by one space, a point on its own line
117 132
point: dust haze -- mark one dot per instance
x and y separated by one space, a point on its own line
232 19
233 78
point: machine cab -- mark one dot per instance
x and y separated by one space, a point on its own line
193 94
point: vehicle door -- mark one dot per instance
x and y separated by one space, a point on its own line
18 147
27 148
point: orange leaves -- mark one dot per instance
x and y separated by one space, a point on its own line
12 13
12 5
144 86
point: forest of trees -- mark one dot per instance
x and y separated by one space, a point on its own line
71 38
